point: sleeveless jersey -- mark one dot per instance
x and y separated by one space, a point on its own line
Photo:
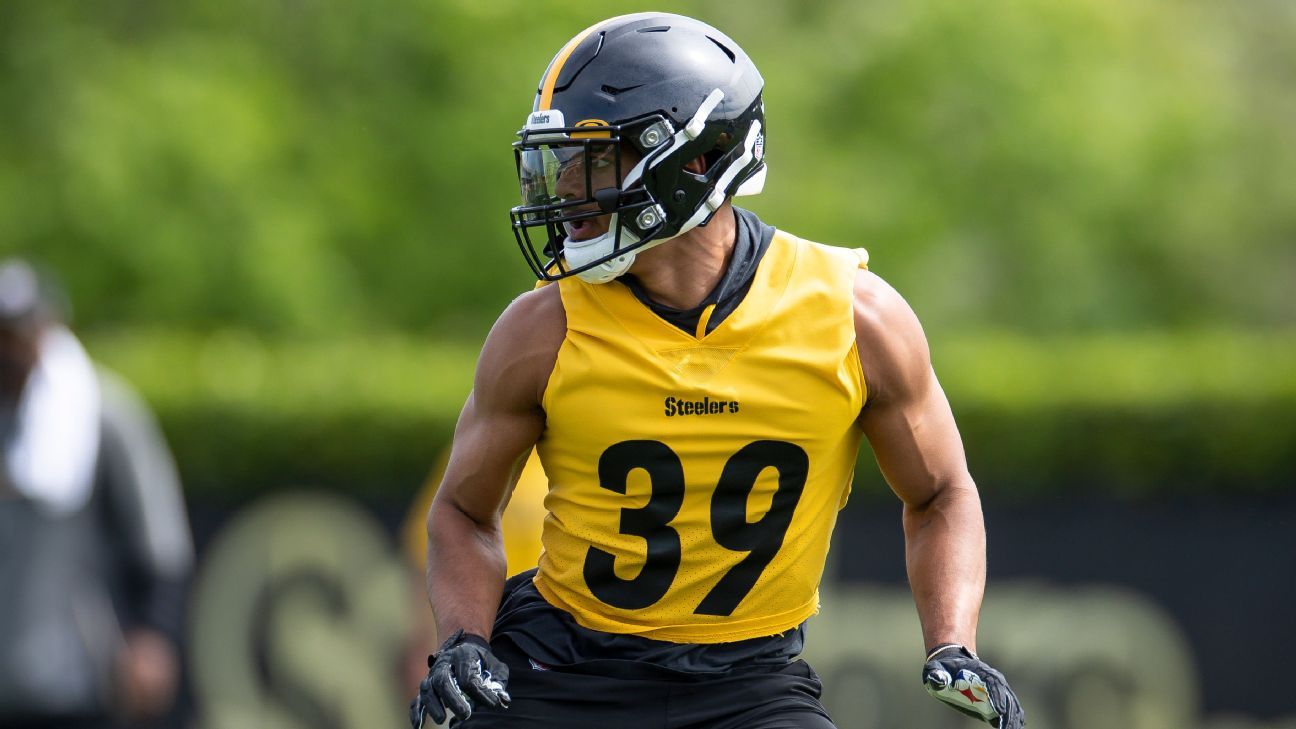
694 481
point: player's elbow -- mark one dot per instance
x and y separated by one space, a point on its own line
449 523
949 492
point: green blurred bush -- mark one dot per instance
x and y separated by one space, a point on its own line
321 168
280 198
1100 416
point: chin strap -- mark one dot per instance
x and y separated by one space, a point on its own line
612 269
582 252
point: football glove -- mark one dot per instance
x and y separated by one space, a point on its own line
462 673
957 677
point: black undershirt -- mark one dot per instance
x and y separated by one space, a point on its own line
752 240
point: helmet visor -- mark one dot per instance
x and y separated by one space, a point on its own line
560 179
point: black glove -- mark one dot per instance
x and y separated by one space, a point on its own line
956 676
462 672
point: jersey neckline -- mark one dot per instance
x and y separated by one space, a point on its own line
752 240
768 284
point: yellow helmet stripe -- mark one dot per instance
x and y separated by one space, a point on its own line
556 67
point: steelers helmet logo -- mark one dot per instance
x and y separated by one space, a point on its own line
601 134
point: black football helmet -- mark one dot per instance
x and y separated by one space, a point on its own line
619 113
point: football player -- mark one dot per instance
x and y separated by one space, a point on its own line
697 384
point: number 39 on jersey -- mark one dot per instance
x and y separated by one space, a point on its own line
702 522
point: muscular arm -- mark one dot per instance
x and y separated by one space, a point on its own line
499 424
911 429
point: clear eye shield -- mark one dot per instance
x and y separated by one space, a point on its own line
571 174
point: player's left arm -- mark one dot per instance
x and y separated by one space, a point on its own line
911 429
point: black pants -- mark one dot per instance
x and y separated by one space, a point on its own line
604 695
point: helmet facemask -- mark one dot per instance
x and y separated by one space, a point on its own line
669 89
571 174
574 176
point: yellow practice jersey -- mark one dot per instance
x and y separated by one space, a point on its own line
694 481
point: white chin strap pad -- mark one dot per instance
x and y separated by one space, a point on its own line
582 252
608 270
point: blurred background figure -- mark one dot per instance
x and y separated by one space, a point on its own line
95 549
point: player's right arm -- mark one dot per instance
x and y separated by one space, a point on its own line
499 424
